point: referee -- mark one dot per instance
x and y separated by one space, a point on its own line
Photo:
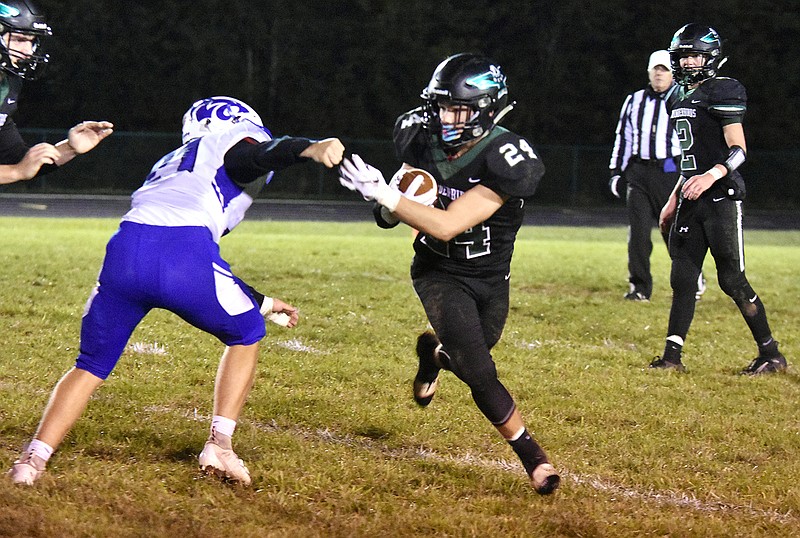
645 157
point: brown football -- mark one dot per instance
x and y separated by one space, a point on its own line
428 183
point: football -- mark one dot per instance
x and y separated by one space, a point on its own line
417 185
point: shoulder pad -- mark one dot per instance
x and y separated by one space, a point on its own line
727 97
406 129
515 167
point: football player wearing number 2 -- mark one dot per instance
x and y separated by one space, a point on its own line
166 255
704 211
462 259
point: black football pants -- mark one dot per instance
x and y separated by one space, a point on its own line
468 315
716 225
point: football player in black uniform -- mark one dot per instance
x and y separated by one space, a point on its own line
704 211
22 26
463 251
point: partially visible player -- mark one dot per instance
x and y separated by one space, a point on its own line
704 211
166 255
22 26
462 261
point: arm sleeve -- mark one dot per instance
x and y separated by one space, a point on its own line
248 159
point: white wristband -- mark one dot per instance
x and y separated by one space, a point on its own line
266 306
715 173
388 197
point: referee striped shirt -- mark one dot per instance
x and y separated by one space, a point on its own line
644 130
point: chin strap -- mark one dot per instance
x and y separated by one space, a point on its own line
508 108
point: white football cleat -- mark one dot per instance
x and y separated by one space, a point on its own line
545 479
27 469
224 463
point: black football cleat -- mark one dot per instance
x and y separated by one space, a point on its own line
664 364
427 378
766 365
636 296
545 479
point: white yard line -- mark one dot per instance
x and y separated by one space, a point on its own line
669 498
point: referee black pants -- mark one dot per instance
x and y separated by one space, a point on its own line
649 188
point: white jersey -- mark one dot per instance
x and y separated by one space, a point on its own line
190 187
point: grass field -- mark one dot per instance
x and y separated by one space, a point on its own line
332 437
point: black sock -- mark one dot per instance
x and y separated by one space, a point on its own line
672 352
768 348
530 453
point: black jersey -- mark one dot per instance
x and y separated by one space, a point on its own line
12 146
503 162
699 116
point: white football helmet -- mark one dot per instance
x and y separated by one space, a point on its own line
216 114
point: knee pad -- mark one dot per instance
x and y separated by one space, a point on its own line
735 285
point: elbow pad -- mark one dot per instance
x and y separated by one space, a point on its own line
736 157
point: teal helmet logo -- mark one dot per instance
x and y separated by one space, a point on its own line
8 11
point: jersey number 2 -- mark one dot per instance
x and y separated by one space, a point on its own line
684 130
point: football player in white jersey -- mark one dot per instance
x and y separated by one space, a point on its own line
166 255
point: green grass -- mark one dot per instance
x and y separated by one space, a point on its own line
332 437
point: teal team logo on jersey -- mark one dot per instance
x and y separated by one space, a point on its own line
8 11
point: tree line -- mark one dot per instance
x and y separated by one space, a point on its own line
349 68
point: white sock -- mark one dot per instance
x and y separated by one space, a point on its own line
223 425
41 449
517 435
676 339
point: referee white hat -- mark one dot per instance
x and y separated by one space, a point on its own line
659 57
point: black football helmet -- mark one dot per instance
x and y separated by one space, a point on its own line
696 38
466 79
22 17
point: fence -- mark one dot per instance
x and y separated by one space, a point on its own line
576 175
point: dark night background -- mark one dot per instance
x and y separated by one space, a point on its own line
348 69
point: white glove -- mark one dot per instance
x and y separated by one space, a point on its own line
279 318
427 198
357 175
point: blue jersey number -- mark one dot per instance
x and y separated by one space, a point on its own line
180 160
